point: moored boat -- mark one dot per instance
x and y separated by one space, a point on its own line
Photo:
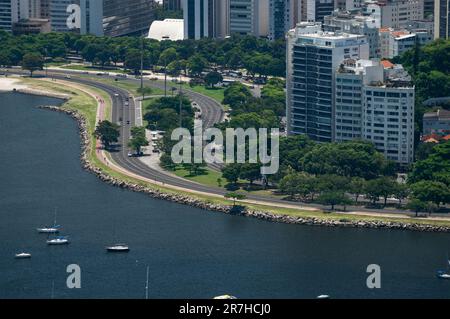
23 256
58 241
118 248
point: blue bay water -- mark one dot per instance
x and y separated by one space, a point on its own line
191 253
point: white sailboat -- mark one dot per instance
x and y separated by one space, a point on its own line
23 256
444 274
61 240
225 297
50 229
118 248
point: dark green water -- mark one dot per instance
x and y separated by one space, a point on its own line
191 253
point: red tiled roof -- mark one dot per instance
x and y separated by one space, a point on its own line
387 64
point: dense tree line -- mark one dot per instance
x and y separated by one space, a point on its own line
260 57
429 66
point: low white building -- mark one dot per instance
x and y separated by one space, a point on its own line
168 29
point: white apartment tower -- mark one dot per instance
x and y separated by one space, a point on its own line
313 57
375 102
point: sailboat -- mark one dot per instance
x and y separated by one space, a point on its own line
60 240
23 256
146 285
117 248
50 230
444 274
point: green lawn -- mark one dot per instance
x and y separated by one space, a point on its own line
216 93
91 68
209 178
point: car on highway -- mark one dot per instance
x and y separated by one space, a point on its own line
116 94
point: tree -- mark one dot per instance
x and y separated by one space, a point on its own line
333 199
380 187
213 78
357 187
401 192
196 64
138 139
431 191
297 184
32 62
417 206
107 132
250 172
167 162
231 173
235 197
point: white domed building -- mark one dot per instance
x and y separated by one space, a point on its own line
168 29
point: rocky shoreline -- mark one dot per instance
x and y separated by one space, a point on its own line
205 205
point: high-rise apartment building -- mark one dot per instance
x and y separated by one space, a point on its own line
103 17
316 10
313 57
173 5
249 17
283 16
375 102
206 18
442 19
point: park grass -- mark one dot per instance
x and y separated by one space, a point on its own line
216 93
87 106
208 177
79 67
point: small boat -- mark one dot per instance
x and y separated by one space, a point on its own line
323 297
50 229
225 297
444 274
58 241
23 256
119 248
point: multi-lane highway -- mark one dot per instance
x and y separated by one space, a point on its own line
124 112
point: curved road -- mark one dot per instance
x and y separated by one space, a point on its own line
121 113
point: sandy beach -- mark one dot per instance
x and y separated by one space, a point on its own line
9 84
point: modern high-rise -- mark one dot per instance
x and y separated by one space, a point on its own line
283 16
173 5
442 19
313 57
249 17
395 42
12 11
103 17
316 10
206 18
375 102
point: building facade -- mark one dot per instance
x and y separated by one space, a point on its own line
441 19
98 17
344 21
316 10
437 122
206 18
283 16
312 61
395 13
376 104
249 17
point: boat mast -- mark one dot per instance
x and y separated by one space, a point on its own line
146 286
